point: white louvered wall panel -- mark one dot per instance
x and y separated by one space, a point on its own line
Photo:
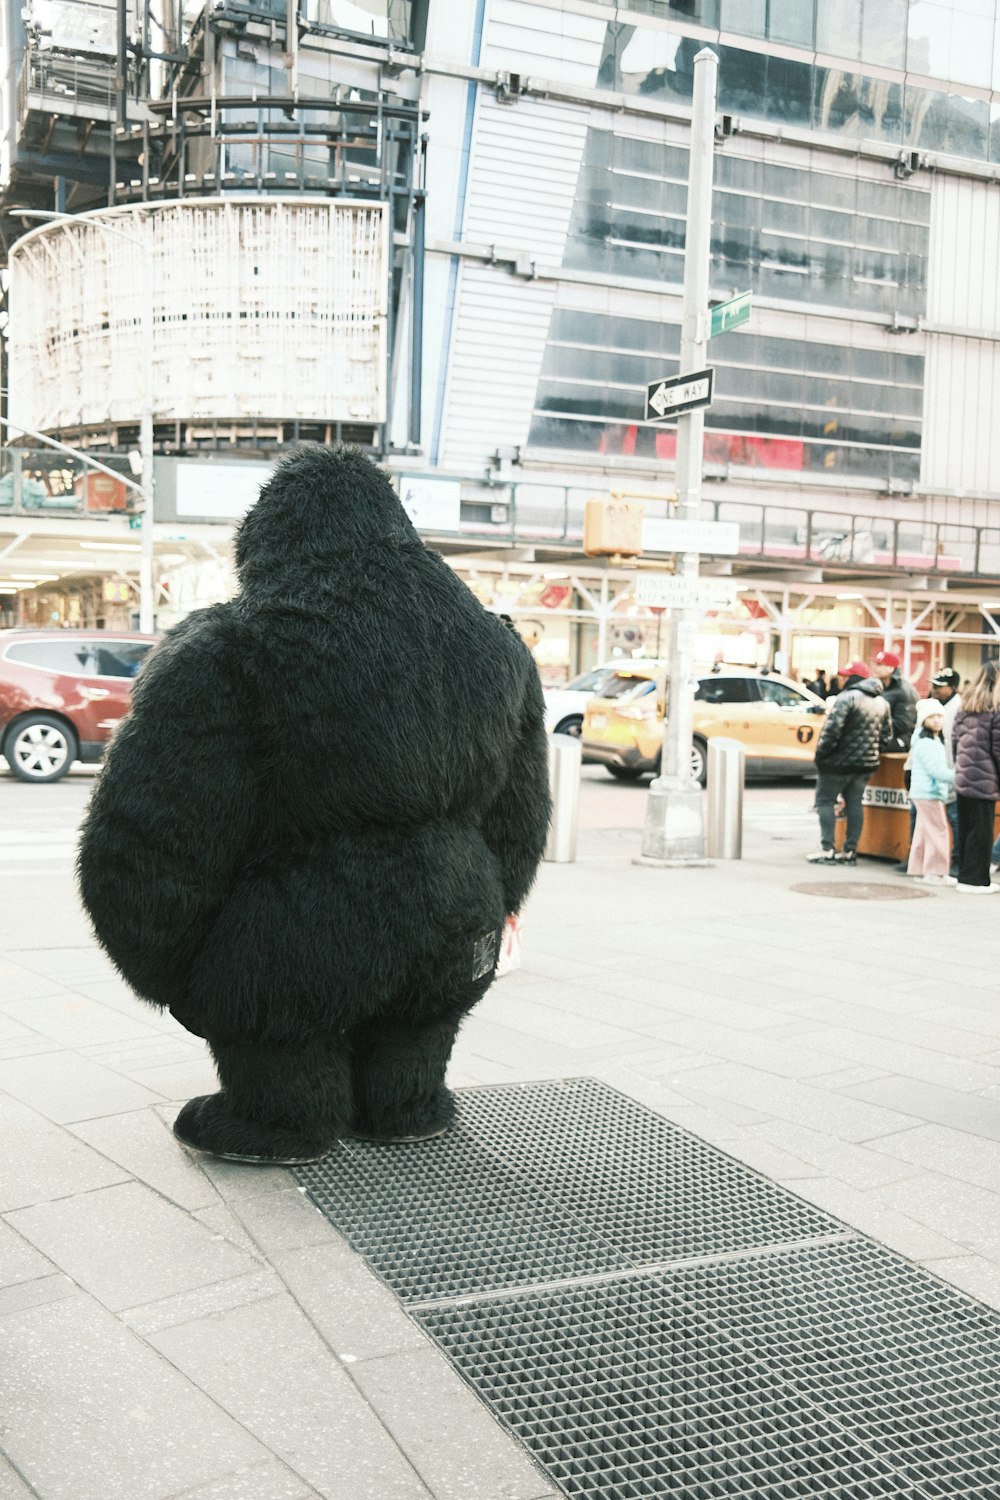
264 308
523 176
499 342
543 41
964 265
961 425
962 375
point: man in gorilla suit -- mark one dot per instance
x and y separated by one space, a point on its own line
327 797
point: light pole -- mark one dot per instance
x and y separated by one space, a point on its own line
147 481
674 831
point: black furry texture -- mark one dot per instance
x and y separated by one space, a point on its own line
324 792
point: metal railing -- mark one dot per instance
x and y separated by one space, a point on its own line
522 511
66 81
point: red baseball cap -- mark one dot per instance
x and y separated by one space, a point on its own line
854 669
887 659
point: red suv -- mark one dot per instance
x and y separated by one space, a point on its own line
62 693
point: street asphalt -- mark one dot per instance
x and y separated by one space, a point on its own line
173 1327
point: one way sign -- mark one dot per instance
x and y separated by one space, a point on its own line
666 399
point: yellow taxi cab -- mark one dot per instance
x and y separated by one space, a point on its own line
776 719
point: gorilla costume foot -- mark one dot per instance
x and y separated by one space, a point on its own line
205 1124
416 1120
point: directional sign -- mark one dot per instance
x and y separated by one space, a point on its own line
665 590
680 591
667 399
720 537
729 314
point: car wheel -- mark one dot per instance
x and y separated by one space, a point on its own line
624 773
573 725
40 748
699 761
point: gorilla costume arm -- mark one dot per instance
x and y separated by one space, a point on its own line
170 819
516 824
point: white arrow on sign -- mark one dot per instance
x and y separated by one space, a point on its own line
658 400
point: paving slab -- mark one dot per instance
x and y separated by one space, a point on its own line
12 1487
40 1162
954 1153
221 1221
188 1307
67 1087
866 1211
842 1115
283 1220
19 983
127 1245
36 1293
179 1081
959 1210
896 1055
267 1481
300 1403
77 1020
972 1274
141 1143
89 1412
20 1261
927 1103
66 962
355 1313
858 1166
451 1439
155 1049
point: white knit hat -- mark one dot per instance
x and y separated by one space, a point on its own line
926 709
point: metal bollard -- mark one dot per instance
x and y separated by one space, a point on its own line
724 820
565 759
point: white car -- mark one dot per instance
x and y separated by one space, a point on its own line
564 707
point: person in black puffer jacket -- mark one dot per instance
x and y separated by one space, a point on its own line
976 741
901 697
857 729
327 797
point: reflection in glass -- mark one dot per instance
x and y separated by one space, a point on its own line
781 404
883 33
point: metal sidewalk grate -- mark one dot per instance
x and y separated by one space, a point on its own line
656 1322
546 1182
838 1371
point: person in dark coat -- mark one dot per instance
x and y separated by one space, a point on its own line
857 728
328 796
901 696
976 744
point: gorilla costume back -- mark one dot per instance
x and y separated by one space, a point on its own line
327 797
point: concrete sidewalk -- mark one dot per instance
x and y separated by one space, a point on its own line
170 1328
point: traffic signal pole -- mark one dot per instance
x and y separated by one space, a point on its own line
674 831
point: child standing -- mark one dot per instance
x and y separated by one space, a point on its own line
930 778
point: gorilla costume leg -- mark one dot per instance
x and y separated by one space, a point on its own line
281 1102
398 1062
397 1070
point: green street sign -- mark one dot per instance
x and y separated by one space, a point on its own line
729 314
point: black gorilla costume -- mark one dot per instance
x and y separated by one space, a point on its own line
328 795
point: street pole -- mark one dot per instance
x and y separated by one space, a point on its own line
674 831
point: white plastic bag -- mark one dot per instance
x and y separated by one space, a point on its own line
510 947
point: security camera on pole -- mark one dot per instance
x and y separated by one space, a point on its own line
674 832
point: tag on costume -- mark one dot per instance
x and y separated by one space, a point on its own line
484 954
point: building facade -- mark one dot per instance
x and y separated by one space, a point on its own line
455 234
